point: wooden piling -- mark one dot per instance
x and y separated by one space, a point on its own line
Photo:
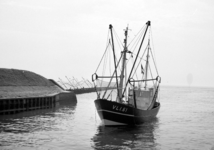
16 105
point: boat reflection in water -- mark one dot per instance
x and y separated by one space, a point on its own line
38 120
125 137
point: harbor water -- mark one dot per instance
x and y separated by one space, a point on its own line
185 121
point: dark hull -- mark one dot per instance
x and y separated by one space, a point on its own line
113 113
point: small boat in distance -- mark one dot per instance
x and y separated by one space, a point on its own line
135 97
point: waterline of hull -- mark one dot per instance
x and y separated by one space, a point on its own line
107 122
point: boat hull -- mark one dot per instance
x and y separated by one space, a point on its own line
112 113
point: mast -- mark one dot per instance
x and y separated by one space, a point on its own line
148 24
115 65
147 64
123 67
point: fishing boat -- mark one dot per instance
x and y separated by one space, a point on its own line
131 95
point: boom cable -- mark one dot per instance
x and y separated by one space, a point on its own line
102 56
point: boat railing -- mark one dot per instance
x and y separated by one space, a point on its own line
158 78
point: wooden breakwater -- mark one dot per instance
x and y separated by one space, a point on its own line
89 90
16 105
22 90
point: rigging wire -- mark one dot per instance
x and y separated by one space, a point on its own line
140 60
151 74
152 44
154 62
136 42
112 75
140 31
107 39
102 57
107 55
111 91
104 66
153 49
147 26
134 72
109 63
120 44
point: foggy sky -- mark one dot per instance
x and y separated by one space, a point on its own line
67 38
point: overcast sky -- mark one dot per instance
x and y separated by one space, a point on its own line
58 38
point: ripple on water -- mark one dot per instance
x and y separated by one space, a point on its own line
185 121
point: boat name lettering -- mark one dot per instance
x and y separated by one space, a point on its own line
119 108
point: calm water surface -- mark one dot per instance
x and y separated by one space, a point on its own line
185 121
